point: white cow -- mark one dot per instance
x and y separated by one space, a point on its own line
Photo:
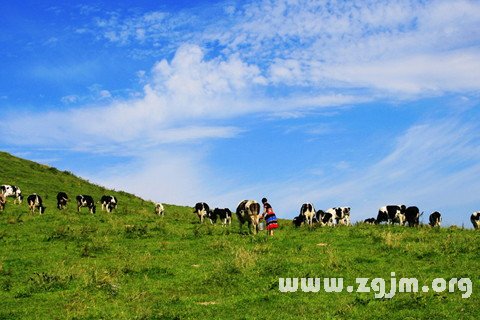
308 211
341 215
248 211
159 209
12 191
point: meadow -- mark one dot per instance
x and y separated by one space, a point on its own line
132 264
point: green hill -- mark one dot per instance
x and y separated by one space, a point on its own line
132 264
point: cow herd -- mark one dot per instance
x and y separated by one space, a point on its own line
404 215
35 202
247 212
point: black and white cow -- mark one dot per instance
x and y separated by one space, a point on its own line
341 215
12 191
202 210
86 201
308 211
412 216
35 202
2 202
108 203
435 219
392 214
159 209
369 221
475 219
225 216
248 211
62 199
324 218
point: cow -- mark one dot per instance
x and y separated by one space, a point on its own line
324 218
12 191
475 219
2 202
308 211
202 210
435 219
62 199
86 201
248 211
35 202
298 221
225 216
341 215
370 221
392 214
412 216
159 209
108 203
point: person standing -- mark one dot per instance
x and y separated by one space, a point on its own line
270 217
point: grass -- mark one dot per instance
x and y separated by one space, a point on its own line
132 264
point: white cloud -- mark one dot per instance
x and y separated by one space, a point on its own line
398 47
421 74
181 100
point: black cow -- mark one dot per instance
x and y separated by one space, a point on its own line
86 201
12 191
298 221
225 216
109 203
475 219
392 214
62 199
435 219
35 202
202 210
412 216
370 221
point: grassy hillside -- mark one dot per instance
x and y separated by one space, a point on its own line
131 264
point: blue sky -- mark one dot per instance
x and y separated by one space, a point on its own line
336 103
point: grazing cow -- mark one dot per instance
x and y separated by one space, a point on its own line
225 216
12 191
2 202
298 221
109 203
248 211
159 209
412 216
201 209
341 215
392 214
475 219
62 200
308 211
370 221
435 219
35 202
86 201
324 218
